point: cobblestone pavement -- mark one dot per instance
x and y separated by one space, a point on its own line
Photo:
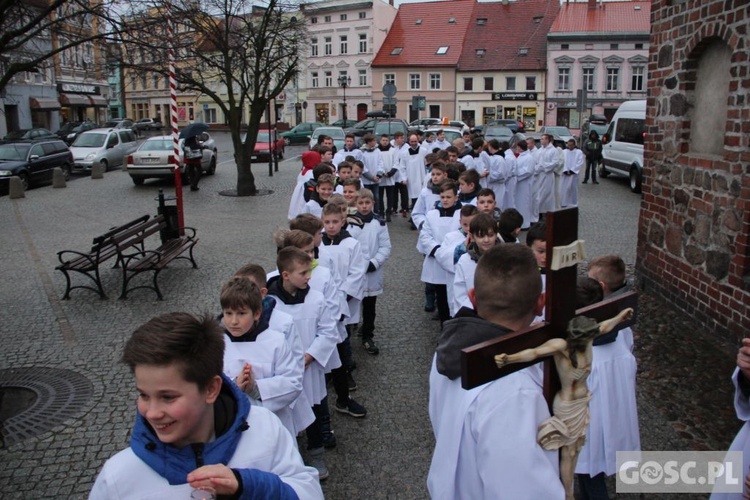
684 389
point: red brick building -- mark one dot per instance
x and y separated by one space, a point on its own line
693 245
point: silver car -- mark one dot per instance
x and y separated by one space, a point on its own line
153 159
102 146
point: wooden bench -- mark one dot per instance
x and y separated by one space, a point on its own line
142 261
103 249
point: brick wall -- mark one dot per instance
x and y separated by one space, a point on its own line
693 245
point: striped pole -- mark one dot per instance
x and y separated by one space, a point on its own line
173 122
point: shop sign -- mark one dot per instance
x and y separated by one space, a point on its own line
514 96
78 88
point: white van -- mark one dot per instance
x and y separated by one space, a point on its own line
622 150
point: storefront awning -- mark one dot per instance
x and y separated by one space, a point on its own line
98 101
74 100
43 103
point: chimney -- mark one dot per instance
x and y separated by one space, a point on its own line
592 4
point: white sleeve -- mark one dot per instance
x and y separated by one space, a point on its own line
426 242
283 388
383 252
460 289
326 337
498 170
297 202
354 284
419 211
444 254
579 161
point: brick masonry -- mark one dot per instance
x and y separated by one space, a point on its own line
693 245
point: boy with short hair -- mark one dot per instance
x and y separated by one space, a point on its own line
350 191
429 195
439 222
610 272
373 165
486 203
486 437
323 191
536 240
344 172
372 233
317 331
452 247
194 428
497 169
509 225
469 187
349 149
483 235
256 357
387 186
357 168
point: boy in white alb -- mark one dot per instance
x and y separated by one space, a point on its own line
483 236
344 172
429 195
451 249
486 437
574 161
497 169
524 200
372 233
310 160
387 186
323 191
317 331
349 149
373 166
256 357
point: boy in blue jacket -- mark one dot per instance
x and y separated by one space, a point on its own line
194 428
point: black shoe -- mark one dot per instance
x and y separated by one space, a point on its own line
351 407
329 439
586 182
429 304
352 383
388 218
352 366
194 188
370 347
596 182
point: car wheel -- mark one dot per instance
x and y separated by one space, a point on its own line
67 170
212 166
25 183
105 166
138 181
603 172
635 179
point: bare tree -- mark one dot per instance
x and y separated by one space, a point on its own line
239 53
34 31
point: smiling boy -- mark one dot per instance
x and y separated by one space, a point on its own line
194 428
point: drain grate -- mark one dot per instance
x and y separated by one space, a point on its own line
61 394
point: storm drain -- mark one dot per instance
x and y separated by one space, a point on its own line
35 400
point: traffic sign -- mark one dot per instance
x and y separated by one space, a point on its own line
390 100
389 89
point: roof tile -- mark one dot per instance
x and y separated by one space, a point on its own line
630 17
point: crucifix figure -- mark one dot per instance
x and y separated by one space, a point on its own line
564 251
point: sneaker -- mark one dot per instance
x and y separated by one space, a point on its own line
370 346
352 408
352 383
318 460
329 439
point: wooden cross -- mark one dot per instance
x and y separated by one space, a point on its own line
478 362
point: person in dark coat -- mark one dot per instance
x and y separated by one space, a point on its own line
193 154
593 151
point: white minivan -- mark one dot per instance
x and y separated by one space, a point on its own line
106 147
622 150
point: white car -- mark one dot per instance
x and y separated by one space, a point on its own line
562 133
336 133
451 133
153 159
103 146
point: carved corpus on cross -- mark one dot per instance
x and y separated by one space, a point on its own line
564 252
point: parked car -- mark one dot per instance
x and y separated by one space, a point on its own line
514 125
362 127
153 158
336 133
104 146
562 133
264 145
122 124
343 123
29 134
148 124
451 133
423 124
595 123
622 150
459 125
301 133
389 127
33 161
70 130
556 141
499 132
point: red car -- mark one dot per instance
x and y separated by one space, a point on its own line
264 145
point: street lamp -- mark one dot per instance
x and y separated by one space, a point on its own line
344 82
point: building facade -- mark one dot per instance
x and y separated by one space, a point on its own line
694 228
601 47
344 37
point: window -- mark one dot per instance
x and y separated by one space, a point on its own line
343 44
415 81
510 83
155 81
613 77
327 19
468 84
315 82
328 46
389 78
363 78
638 46
614 46
396 51
563 79
442 50
530 83
636 83
313 20
564 46
328 79
210 115
489 83
630 130
314 47
434 81
143 82
362 43
523 51
481 21
363 15
481 52
588 78
342 17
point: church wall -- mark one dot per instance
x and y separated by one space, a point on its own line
693 245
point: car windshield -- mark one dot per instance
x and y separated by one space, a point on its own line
598 128
157 145
558 130
90 140
13 152
262 137
388 128
333 133
17 134
498 131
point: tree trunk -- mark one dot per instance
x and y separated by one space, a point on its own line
242 153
